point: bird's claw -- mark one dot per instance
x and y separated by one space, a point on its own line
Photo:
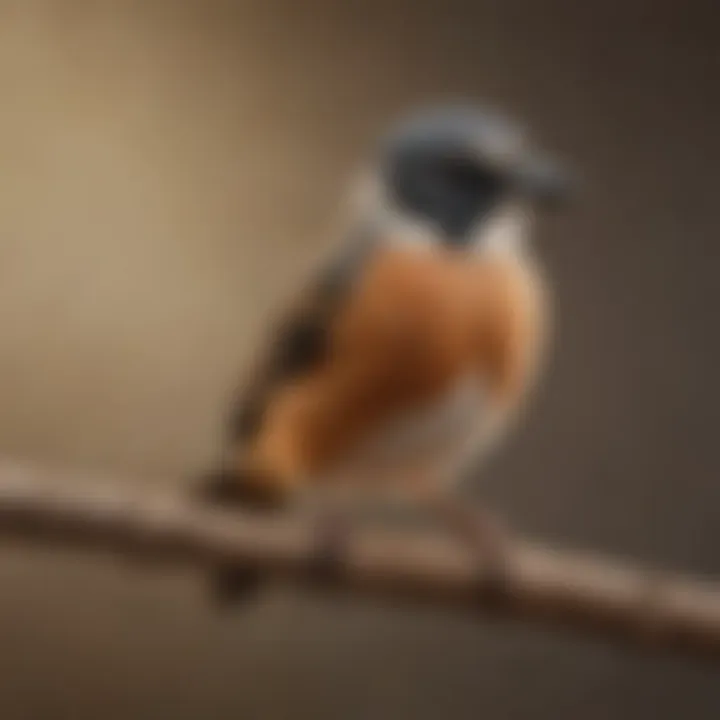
489 541
332 530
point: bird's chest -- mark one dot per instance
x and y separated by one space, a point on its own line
430 362
429 437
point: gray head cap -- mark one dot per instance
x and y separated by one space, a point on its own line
482 134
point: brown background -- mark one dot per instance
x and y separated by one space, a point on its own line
167 168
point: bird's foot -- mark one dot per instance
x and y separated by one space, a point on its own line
488 538
331 539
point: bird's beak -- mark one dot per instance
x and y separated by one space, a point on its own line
546 182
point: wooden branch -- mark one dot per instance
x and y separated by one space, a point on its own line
548 586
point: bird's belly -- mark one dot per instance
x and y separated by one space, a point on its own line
428 440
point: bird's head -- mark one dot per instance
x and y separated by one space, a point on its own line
455 170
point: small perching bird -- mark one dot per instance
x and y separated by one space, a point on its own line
409 353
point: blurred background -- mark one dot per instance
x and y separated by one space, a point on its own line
168 169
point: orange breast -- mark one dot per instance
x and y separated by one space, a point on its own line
416 322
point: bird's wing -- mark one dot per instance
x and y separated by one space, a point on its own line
299 338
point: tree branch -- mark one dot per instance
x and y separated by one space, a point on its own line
568 589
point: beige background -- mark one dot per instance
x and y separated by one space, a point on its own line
166 171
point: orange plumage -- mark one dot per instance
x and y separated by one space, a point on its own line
417 320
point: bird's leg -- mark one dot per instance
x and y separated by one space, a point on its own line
479 529
331 533
489 542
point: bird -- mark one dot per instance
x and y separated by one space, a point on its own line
409 354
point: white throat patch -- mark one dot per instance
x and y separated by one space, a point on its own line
505 233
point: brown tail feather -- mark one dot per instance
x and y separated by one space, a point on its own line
232 585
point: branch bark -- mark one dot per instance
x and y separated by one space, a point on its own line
558 588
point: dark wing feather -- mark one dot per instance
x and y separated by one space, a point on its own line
300 340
